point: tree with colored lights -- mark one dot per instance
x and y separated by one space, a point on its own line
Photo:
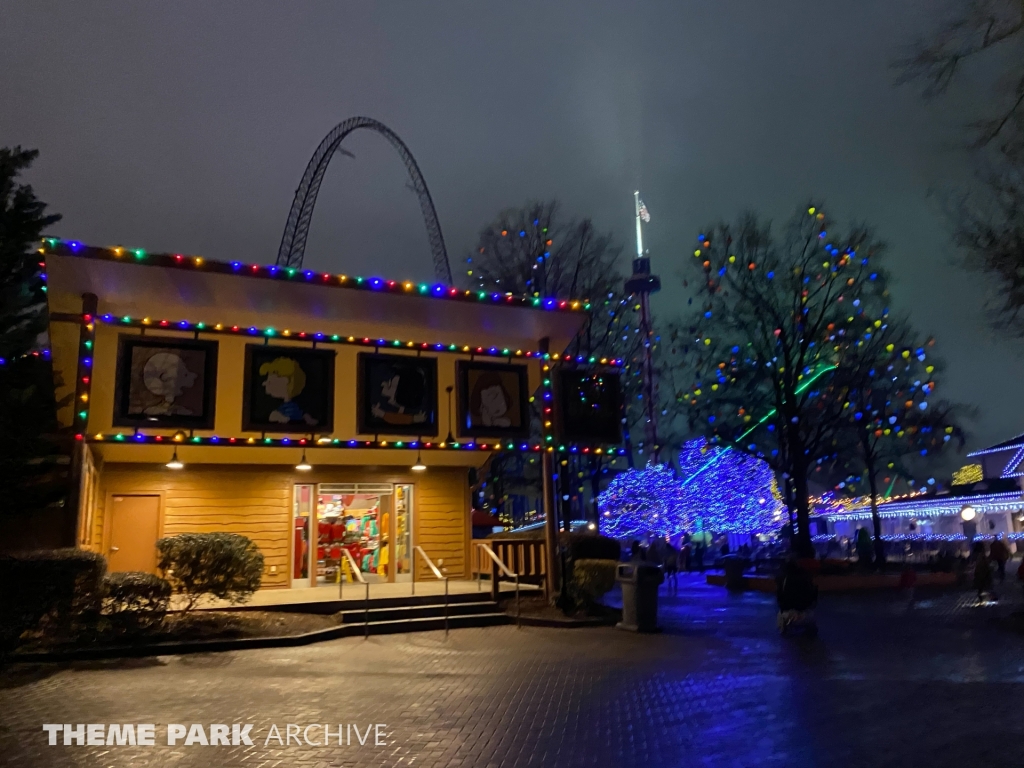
775 318
894 423
28 416
533 250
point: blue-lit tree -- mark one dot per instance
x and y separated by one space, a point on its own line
726 491
645 501
718 490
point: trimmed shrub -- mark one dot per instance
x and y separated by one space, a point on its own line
589 546
227 566
135 601
55 591
592 579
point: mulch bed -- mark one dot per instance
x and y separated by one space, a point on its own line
199 625
538 611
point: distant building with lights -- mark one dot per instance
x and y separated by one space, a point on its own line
320 415
991 504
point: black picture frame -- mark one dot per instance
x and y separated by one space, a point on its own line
269 402
589 406
396 413
164 381
513 384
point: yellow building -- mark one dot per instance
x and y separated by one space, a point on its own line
310 412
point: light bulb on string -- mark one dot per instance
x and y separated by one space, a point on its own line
175 462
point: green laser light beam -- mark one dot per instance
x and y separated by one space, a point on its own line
799 390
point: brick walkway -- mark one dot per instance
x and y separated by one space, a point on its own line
937 685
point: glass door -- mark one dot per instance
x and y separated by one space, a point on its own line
354 518
403 533
302 525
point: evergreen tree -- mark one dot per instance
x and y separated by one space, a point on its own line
28 415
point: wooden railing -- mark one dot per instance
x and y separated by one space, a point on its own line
524 558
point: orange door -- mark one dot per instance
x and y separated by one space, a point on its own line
134 528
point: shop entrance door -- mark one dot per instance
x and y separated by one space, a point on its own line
357 517
134 528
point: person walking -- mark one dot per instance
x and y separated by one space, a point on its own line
999 553
670 561
982 572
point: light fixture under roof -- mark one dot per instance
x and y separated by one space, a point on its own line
175 462
419 466
303 465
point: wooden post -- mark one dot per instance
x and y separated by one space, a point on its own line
83 381
550 523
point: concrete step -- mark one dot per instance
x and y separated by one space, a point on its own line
355 600
433 623
405 612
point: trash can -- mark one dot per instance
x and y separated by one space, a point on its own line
734 567
640 582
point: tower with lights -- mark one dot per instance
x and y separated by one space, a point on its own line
642 284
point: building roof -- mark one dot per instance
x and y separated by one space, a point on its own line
189 293
55 245
1015 442
928 505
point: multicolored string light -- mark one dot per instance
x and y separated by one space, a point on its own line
53 245
334 442
325 338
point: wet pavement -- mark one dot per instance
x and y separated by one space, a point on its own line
886 683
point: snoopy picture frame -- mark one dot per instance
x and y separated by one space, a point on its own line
397 395
493 400
165 382
288 389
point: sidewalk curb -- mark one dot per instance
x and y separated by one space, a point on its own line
186 646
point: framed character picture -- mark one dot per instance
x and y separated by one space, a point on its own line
493 400
288 389
165 382
397 395
589 406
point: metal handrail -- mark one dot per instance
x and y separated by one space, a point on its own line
359 577
437 574
507 572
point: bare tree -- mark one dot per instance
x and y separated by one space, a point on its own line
531 251
987 222
982 28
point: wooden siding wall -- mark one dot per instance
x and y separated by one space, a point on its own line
441 525
251 501
256 502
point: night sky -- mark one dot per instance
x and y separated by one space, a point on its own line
186 127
